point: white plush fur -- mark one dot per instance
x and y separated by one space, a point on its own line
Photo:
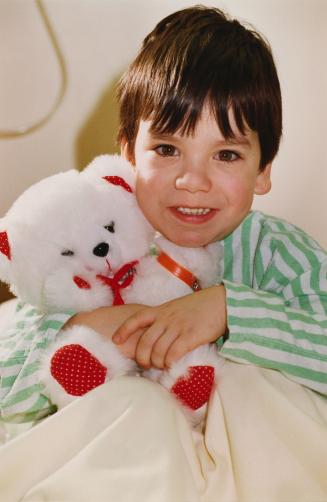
155 285
69 212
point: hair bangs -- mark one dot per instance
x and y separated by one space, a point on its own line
176 100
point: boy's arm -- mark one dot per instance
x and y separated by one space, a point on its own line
21 397
280 322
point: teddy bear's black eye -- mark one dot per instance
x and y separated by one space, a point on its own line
67 252
110 227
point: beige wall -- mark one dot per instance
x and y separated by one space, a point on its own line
99 37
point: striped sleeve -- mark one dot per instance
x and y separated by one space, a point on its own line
21 397
277 311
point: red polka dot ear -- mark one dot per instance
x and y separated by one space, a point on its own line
4 245
117 180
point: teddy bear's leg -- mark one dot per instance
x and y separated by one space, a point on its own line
192 378
78 361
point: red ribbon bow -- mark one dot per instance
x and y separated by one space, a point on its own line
122 278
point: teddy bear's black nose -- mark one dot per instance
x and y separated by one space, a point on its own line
101 249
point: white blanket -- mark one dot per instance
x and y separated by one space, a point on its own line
265 441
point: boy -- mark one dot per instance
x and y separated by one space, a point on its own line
201 122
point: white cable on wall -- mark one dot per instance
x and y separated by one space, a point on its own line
29 128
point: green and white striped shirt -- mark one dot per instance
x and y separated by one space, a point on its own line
276 284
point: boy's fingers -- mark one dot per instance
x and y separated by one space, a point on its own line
177 350
161 348
141 319
145 344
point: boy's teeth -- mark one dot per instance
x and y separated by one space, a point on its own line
193 211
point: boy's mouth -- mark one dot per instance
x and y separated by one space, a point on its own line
193 214
194 211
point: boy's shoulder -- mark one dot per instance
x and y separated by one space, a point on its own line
272 229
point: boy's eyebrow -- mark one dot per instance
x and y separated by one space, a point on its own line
163 137
236 140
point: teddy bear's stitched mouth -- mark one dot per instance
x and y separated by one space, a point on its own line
111 273
129 273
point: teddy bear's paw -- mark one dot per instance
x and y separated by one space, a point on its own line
192 378
78 361
194 389
77 370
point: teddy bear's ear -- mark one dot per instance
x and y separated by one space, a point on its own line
114 169
5 256
119 181
4 245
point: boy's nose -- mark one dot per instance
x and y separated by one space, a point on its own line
193 180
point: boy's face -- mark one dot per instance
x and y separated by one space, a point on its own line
197 189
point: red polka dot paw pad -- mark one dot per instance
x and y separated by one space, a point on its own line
194 390
77 370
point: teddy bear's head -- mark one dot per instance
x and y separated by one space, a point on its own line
66 234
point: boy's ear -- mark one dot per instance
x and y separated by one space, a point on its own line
125 151
263 181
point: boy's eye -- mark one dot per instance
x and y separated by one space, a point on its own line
166 150
228 156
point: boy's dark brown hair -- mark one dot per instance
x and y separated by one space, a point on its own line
197 56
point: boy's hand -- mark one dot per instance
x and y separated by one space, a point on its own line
106 320
169 331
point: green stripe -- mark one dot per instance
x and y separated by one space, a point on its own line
228 258
31 335
29 369
20 325
315 279
246 251
52 324
274 344
21 395
307 374
258 268
7 381
41 403
291 313
32 312
241 288
290 259
26 416
255 304
277 276
44 344
269 323
306 251
13 361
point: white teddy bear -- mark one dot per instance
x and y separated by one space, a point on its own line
78 241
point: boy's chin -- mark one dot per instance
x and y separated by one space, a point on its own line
192 240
